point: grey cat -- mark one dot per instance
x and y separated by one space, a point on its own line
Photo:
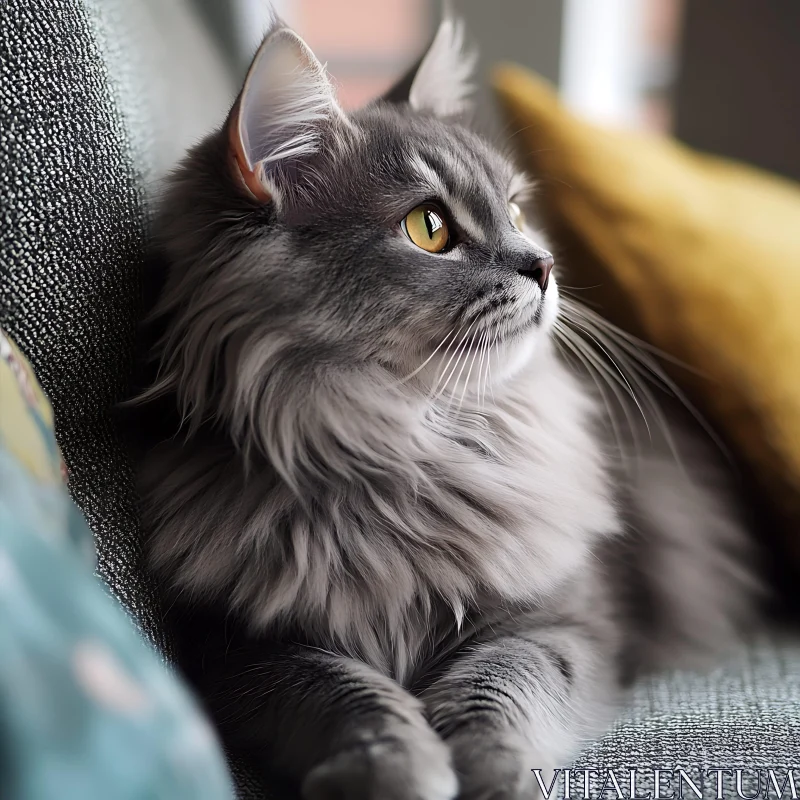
434 567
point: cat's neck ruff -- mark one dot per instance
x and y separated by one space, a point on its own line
503 499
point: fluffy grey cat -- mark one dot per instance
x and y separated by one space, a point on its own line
435 570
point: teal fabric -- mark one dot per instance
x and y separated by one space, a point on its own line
87 710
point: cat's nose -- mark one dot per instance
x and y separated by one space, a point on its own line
538 271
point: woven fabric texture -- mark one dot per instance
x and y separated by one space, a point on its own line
743 714
97 99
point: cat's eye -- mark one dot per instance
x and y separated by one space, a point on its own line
517 217
426 227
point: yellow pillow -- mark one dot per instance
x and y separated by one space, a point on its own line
698 255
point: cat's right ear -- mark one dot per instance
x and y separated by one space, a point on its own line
440 83
281 115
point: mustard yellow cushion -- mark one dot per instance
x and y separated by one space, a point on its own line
698 255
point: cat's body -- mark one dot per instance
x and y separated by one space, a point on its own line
427 578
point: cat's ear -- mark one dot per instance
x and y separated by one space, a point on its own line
285 107
441 82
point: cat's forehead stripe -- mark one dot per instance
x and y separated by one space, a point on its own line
428 175
450 185
467 173
465 220
475 155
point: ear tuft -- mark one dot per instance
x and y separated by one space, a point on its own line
443 82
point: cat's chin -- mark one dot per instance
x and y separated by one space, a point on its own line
473 368
520 349
517 353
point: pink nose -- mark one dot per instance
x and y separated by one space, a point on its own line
539 271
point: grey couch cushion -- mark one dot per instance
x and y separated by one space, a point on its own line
744 713
97 99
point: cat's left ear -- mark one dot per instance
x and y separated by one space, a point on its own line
441 81
286 107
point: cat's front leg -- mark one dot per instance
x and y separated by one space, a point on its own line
521 702
337 726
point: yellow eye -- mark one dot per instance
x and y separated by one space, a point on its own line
517 217
426 228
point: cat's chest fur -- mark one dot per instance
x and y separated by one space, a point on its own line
507 502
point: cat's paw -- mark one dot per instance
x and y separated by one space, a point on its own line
493 766
407 767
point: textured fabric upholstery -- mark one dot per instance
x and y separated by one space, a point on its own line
745 713
97 99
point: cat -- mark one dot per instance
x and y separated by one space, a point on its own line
402 507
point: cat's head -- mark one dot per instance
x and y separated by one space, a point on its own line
307 241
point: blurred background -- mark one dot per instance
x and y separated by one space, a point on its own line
718 74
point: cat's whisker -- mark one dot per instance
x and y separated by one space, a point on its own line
638 359
621 390
481 373
461 372
607 352
475 352
422 366
487 378
460 350
463 351
640 348
590 326
441 374
613 379
489 362
645 364
568 337
636 374
478 375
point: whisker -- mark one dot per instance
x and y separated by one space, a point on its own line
562 286
631 377
640 360
469 371
608 355
461 372
481 374
427 360
635 372
602 383
460 351
638 345
489 362
449 361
